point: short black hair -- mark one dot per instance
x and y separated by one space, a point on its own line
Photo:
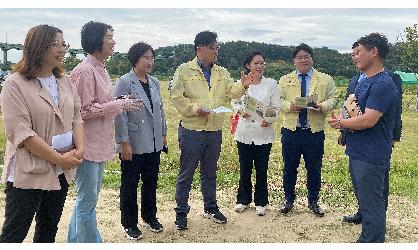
92 34
250 57
302 46
376 40
137 50
355 45
204 38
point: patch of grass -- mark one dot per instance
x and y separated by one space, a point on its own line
336 183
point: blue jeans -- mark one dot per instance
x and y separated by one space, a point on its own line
83 223
370 181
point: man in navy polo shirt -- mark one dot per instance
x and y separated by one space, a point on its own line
369 146
397 129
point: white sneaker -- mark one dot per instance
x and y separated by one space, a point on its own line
260 211
239 208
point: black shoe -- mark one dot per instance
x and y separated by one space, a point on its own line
181 221
215 215
133 233
316 209
352 218
154 225
286 207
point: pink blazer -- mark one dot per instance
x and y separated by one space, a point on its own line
28 109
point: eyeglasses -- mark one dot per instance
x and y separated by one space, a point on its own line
213 46
259 63
150 59
57 45
300 58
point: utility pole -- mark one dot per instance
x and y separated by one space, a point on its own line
5 53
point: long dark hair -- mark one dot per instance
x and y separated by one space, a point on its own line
37 42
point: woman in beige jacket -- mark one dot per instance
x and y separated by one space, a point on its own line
45 138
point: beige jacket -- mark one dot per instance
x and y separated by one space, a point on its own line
321 84
28 109
190 91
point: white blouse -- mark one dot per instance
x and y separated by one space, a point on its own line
249 129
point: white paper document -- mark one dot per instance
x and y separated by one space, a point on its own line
221 109
63 142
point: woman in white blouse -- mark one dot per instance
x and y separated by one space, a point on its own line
255 134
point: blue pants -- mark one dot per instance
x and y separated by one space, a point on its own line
196 147
355 188
311 146
371 180
83 223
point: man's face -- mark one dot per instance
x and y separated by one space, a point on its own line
354 55
364 57
208 53
303 61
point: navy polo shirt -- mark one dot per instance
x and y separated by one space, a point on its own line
206 71
374 145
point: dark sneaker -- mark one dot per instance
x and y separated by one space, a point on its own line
286 207
181 221
133 233
215 215
353 218
154 225
316 209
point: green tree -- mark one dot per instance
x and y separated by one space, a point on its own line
118 64
409 49
70 62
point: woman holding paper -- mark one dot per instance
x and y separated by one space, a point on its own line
255 134
39 104
140 138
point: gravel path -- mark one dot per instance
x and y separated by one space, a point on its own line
299 226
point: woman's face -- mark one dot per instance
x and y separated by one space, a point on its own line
56 51
108 43
145 62
256 66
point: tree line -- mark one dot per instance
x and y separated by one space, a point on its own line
403 56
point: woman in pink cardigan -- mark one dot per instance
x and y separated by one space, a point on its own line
98 109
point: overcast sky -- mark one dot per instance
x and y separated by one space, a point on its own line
333 28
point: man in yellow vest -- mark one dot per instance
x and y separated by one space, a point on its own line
303 125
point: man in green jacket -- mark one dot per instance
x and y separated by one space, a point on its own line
198 87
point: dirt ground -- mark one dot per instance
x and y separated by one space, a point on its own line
299 226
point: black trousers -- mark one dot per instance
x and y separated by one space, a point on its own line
249 156
143 167
311 146
23 204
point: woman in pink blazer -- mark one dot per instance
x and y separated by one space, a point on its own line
40 107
